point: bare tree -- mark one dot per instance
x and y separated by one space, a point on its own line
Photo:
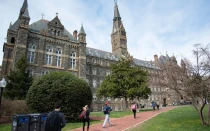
191 80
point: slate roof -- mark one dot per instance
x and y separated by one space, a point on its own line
15 25
42 24
110 56
26 14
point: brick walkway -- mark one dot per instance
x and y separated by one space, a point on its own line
124 123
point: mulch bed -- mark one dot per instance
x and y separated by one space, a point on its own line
5 120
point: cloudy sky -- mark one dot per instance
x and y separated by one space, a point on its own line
152 26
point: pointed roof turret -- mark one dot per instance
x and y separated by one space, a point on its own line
82 31
117 19
24 7
26 14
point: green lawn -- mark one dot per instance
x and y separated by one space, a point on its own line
180 119
69 126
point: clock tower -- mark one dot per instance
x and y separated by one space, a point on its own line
118 36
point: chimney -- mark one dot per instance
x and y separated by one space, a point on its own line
75 34
156 58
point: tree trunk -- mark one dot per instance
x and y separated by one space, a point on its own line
200 111
126 103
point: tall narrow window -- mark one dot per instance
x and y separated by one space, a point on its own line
31 53
73 60
13 40
48 57
55 32
58 33
58 56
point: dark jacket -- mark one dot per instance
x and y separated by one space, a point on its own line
59 124
107 109
87 114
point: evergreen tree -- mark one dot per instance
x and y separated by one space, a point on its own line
125 81
19 80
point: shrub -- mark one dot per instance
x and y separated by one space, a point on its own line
10 108
72 92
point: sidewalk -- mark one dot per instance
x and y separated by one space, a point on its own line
127 122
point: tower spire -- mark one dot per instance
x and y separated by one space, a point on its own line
24 7
118 36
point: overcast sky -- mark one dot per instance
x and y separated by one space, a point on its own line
152 26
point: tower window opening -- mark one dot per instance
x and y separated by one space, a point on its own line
55 32
12 40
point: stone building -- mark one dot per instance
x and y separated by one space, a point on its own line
50 47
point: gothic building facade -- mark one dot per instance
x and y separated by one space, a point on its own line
50 47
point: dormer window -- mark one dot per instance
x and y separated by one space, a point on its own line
55 32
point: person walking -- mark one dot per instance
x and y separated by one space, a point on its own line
86 117
107 111
153 105
55 120
157 105
134 108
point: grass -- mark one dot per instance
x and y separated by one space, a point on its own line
180 119
70 126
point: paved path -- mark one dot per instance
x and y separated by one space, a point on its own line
124 123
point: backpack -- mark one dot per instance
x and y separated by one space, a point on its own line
83 114
55 122
133 107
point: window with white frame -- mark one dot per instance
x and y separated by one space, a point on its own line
102 99
31 73
58 56
73 60
107 73
155 89
94 83
149 97
31 53
94 97
44 72
108 99
94 71
101 81
48 57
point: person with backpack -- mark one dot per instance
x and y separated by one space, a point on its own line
134 108
107 111
55 120
85 117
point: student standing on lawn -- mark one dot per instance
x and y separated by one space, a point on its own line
107 111
87 118
134 108
55 119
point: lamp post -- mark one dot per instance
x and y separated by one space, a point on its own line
3 83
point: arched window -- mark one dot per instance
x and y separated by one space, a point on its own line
44 72
58 33
31 53
31 73
55 31
73 60
48 59
12 40
58 56
25 22
94 83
